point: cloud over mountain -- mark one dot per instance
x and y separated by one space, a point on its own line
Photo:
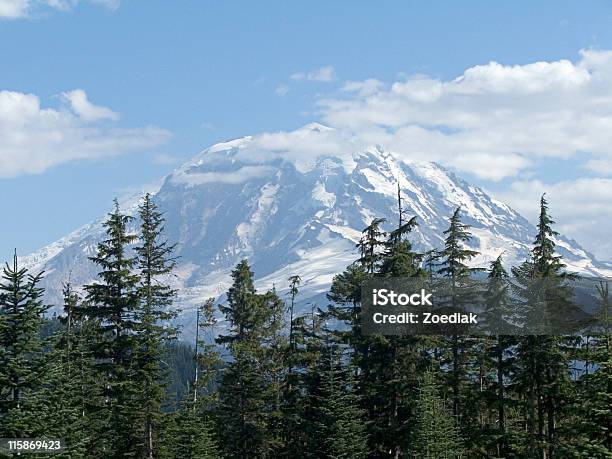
34 138
494 121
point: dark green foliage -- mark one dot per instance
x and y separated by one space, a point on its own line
338 425
189 431
113 303
387 364
181 372
542 372
497 355
107 376
436 435
454 259
250 388
154 263
22 363
594 415
369 245
188 434
75 394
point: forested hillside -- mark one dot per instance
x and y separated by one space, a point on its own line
111 378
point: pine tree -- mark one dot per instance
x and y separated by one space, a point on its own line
595 398
22 362
298 413
543 370
291 396
400 357
370 243
338 429
207 357
498 348
189 432
154 263
249 400
294 285
436 434
454 259
387 364
74 390
114 303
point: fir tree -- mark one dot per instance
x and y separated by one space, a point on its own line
543 370
22 362
436 434
189 432
387 364
454 258
498 347
370 243
595 398
291 391
249 390
338 428
74 389
114 303
154 263
294 284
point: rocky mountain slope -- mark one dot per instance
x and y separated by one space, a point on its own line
226 204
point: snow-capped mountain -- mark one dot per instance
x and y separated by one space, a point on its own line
230 202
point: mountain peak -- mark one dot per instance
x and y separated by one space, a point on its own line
235 200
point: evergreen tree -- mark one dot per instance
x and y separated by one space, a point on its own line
498 349
249 401
542 372
114 303
22 362
338 428
387 364
208 359
189 433
74 390
291 386
436 434
294 285
454 258
370 243
299 416
154 263
595 398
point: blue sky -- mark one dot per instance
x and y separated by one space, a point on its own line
162 80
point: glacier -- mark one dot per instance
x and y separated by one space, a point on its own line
230 202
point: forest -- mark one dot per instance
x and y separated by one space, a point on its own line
110 377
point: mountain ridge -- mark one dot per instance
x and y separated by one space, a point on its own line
234 201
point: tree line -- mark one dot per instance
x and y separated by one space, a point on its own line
275 382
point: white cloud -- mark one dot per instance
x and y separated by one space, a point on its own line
363 88
282 90
303 146
241 175
493 121
14 9
580 207
33 138
11 9
324 74
164 159
85 109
